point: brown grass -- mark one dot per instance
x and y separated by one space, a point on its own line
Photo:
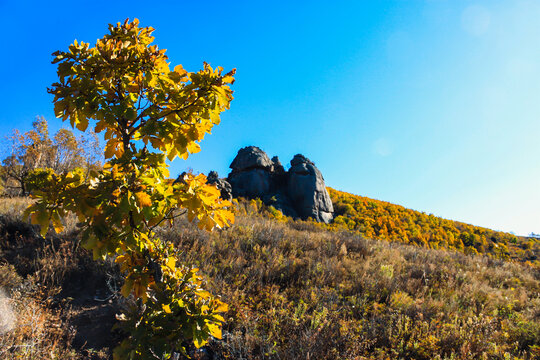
295 290
29 328
50 286
14 207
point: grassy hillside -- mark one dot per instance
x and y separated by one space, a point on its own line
295 290
382 220
48 292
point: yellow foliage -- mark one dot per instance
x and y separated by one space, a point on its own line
384 220
148 114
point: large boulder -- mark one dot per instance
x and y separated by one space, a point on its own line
251 174
251 157
307 190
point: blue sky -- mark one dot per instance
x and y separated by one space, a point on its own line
433 105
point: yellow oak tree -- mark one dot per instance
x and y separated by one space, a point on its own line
123 86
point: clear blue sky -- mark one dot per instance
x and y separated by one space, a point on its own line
434 105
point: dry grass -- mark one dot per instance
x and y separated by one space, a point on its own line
14 207
29 329
295 291
49 286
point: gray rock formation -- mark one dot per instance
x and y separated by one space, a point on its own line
283 203
307 190
300 192
277 166
251 157
222 185
251 174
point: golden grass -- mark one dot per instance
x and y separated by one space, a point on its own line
34 320
14 206
298 291
29 329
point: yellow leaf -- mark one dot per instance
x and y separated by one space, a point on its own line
172 154
228 79
214 330
199 342
59 109
143 199
41 218
34 218
193 147
171 263
57 223
204 294
121 258
139 288
166 308
218 318
126 288
156 143
222 307
100 126
180 70
119 150
109 150
82 124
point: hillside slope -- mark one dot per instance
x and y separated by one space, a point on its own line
383 220
295 291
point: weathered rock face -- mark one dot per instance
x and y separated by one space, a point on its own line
300 192
283 203
222 185
307 190
251 157
278 168
251 174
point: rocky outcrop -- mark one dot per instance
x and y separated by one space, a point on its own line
300 192
251 174
307 190
278 168
251 157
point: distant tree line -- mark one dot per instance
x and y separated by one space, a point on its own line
383 220
27 155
